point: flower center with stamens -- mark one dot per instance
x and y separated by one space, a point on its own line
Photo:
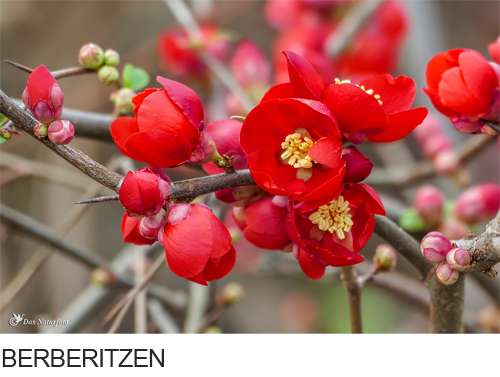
334 217
296 147
368 91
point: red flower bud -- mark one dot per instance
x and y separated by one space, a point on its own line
446 275
429 205
143 193
207 256
250 65
478 203
40 130
43 96
435 246
61 132
240 196
91 56
453 229
494 50
131 233
357 166
150 226
458 259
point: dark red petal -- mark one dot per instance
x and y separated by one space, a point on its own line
304 78
291 228
322 183
185 98
121 129
355 110
216 269
327 152
438 105
311 264
455 95
438 65
158 148
396 94
280 91
339 257
401 124
478 75
130 231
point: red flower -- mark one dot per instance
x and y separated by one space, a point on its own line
494 50
333 230
207 256
131 233
264 222
168 128
180 56
294 148
463 86
144 193
43 96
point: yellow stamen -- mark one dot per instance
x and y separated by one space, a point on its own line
334 217
296 149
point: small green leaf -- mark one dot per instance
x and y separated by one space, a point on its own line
134 78
411 221
2 140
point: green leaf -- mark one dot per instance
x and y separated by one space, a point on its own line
411 221
134 78
2 140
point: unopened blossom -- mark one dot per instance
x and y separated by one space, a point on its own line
458 259
446 275
453 228
435 246
385 258
357 167
478 203
43 96
61 132
40 130
122 99
111 57
108 75
494 50
429 202
151 225
91 56
131 233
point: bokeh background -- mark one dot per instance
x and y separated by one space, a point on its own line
278 297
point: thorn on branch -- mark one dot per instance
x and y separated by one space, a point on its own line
100 199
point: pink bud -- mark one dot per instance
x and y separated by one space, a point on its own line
108 75
61 132
178 212
429 205
478 203
430 127
150 226
91 56
111 57
453 229
467 124
435 246
250 65
358 167
206 150
385 257
43 96
40 130
435 144
446 162
458 259
446 275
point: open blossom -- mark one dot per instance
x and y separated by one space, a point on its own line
43 96
294 148
167 130
333 230
145 192
378 109
463 85
208 255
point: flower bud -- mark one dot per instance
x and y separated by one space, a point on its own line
429 205
240 196
130 231
446 275
494 50
435 246
453 229
111 57
150 225
213 330
478 203
122 99
438 143
5 134
61 132
231 294
385 258
43 96
358 167
40 130
430 127
458 259
108 75
102 277
446 162
91 56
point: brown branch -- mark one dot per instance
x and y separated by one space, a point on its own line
350 279
57 74
69 153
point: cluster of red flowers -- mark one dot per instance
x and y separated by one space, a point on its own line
308 199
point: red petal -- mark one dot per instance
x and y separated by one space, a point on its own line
396 94
130 231
438 105
280 91
327 152
39 83
217 269
200 279
322 183
121 129
139 194
291 228
311 264
455 95
374 202
185 98
221 237
478 75
401 124
438 65
304 78
159 148
339 257
226 135
139 99
355 110
494 50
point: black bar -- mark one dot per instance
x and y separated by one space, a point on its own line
82 358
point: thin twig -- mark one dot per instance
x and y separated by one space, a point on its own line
350 279
57 74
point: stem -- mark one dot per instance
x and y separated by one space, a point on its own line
350 280
57 74
493 125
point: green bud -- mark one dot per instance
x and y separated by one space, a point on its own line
122 99
213 330
231 294
385 258
111 57
108 75
91 56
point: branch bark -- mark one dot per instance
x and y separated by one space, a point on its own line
350 279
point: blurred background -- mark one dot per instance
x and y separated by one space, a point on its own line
278 297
